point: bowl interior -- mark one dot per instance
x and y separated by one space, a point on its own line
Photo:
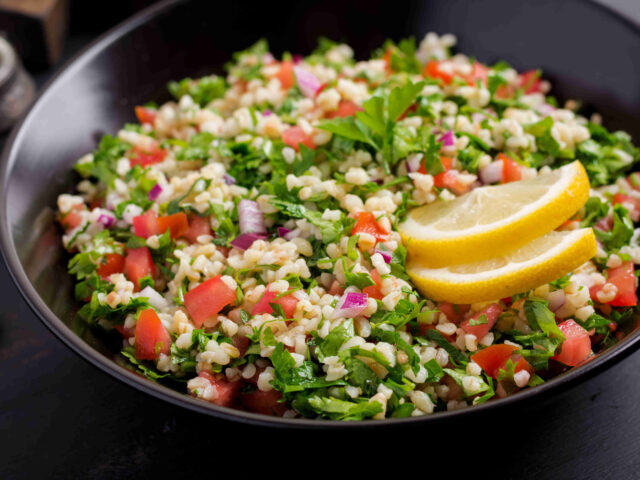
587 52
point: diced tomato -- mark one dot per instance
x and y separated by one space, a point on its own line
72 219
630 203
346 108
577 345
493 357
634 180
125 332
197 226
207 299
520 363
492 312
113 263
374 291
294 136
152 338
367 223
146 115
454 313
177 224
226 391
265 403
287 302
433 70
479 72
336 288
146 224
625 281
605 224
530 81
286 75
144 159
511 171
449 178
137 265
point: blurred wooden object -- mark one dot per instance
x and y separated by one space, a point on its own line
36 28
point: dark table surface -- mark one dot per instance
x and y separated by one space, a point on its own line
62 418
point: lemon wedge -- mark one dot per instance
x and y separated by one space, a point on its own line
539 262
489 221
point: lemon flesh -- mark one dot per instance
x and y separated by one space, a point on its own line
489 221
539 262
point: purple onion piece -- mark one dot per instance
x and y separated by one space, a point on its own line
106 220
250 217
413 163
350 305
245 240
447 139
154 192
297 58
266 113
385 254
556 300
282 232
229 180
308 83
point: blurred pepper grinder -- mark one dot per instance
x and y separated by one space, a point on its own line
31 32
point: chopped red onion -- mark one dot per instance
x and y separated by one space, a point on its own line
250 217
308 83
266 113
556 300
350 305
282 232
492 173
245 240
292 234
385 254
229 180
268 58
477 117
447 139
106 220
154 192
297 58
545 109
413 163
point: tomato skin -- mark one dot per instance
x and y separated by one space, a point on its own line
286 75
432 70
374 291
146 224
447 179
479 72
454 313
624 279
197 226
137 265
114 263
577 345
72 219
177 224
366 223
630 203
208 299
511 171
145 115
151 338
336 288
346 108
265 403
227 390
493 357
492 312
294 136
288 304
144 159
530 81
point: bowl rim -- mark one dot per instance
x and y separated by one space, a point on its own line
10 256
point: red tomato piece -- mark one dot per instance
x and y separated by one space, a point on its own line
125 332
287 302
336 288
177 224
144 159
492 312
625 281
577 345
294 136
605 224
346 108
632 204
146 115
454 313
493 357
226 391
449 178
197 226
511 171
433 70
374 291
152 338
146 224
479 72
72 219
113 263
137 265
207 299
530 81
387 60
286 75
367 223
266 403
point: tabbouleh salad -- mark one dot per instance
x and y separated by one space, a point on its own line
241 241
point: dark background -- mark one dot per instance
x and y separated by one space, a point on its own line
62 418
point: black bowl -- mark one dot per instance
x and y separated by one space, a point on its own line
587 51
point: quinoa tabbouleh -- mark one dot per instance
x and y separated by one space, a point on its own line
242 241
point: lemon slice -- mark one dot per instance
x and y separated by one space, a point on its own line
489 221
539 262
